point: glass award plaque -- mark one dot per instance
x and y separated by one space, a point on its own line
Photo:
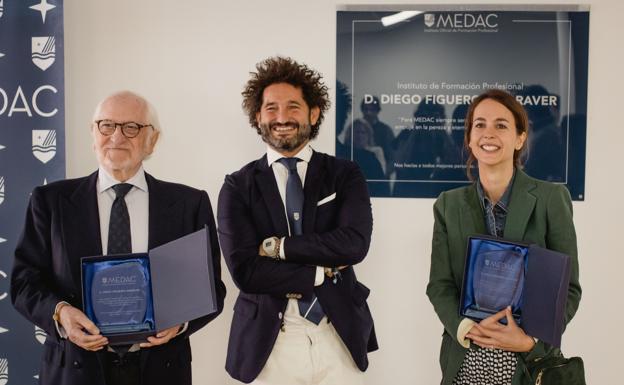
498 280
130 297
119 297
531 279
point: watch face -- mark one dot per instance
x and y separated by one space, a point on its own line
269 246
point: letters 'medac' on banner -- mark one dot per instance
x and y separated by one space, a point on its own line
32 153
406 75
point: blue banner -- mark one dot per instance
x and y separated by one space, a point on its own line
32 152
405 79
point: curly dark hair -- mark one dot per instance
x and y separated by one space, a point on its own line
285 70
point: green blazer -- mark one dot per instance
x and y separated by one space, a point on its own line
539 212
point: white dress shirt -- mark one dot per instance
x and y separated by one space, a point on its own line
292 316
137 201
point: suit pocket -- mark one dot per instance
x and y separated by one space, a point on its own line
246 308
445 350
328 198
360 293
52 353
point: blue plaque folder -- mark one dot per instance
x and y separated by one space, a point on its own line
132 296
531 279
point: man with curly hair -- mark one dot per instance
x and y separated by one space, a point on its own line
292 225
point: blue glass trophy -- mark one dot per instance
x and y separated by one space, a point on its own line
498 280
130 297
120 296
531 279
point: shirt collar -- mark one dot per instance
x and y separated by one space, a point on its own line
504 201
305 154
106 181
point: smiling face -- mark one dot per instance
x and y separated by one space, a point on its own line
122 157
285 119
494 137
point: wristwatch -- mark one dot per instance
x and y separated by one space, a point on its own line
271 247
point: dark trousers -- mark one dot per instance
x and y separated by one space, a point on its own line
122 370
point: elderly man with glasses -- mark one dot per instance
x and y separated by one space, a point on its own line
117 209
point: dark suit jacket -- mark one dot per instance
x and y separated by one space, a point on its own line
62 225
336 233
539 212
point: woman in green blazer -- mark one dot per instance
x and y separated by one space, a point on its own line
505 202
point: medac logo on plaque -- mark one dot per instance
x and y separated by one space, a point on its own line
1 189
43 51
44 144
40 335
429 19
4 371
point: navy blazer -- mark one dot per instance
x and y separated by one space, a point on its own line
335 233
62 225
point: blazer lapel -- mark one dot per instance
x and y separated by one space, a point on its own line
267 186
521 207
164 225
471 214
311 192
80 222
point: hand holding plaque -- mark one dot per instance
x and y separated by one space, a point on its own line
530 279
133 297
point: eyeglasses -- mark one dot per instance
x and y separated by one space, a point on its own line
128 129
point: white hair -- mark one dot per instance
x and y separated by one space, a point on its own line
151 116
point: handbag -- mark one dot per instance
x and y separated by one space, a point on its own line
556 370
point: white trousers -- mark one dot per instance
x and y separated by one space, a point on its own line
310 355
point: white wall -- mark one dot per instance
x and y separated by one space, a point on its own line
191 59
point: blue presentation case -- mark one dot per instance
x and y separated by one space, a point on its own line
181 279
541 312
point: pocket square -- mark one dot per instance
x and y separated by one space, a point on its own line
326 199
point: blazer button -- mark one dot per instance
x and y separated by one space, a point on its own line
280 315
72 296
76 365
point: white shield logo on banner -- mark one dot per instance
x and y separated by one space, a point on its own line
43 51
1 189
3 295
3 330
44 144
40 335
429 19
4 371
